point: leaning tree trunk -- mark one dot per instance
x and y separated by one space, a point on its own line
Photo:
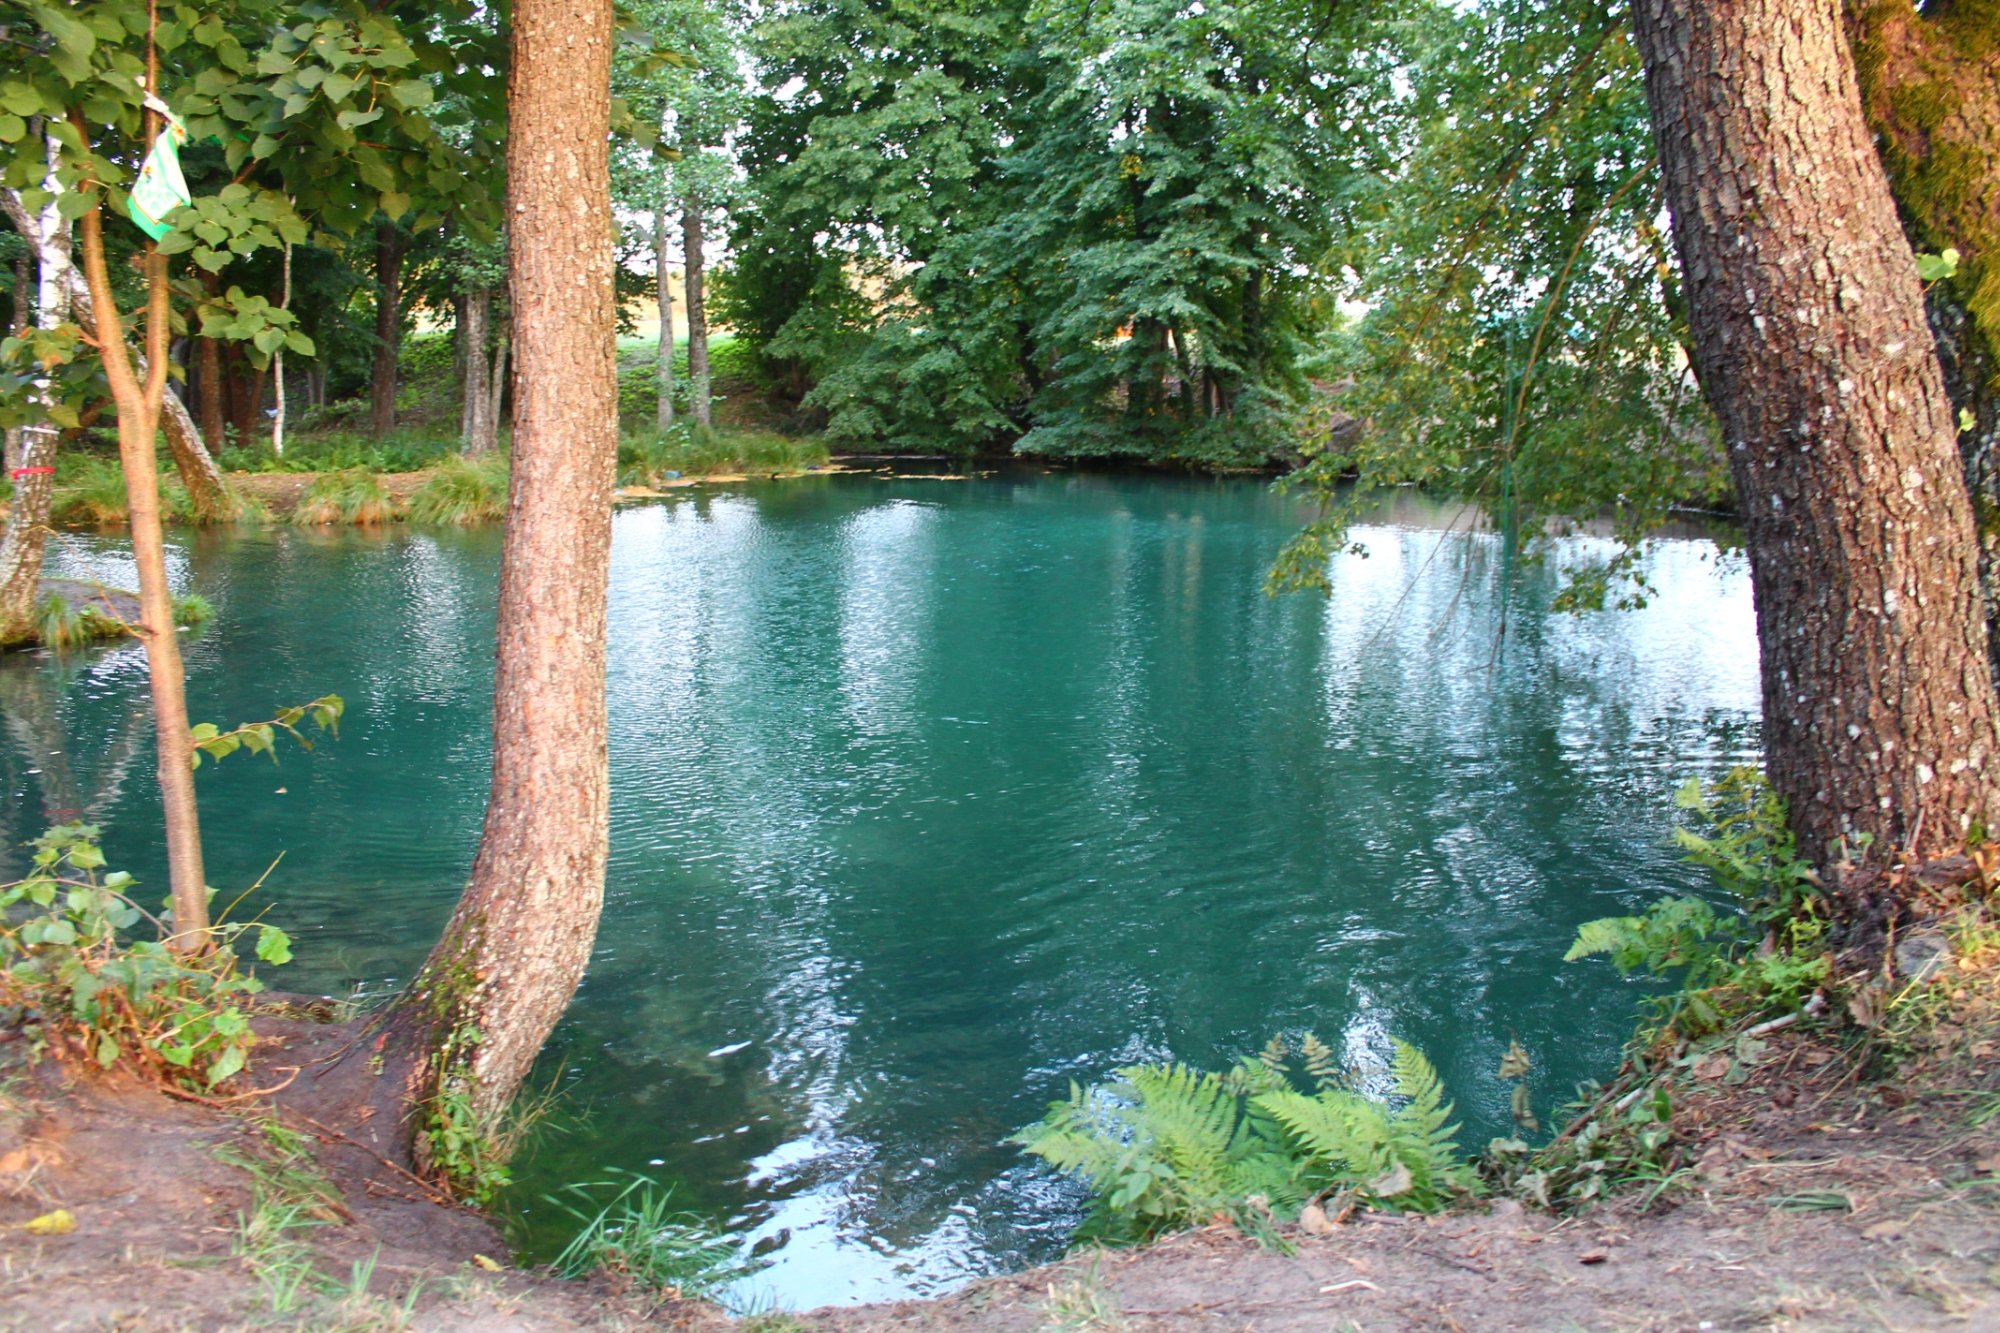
663 357
388 327
1811 342
696 264
514 950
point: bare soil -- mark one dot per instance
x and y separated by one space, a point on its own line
1825 1181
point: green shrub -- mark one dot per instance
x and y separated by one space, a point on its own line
72 980
462 492
1164 1146
353 495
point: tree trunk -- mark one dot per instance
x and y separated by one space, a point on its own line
24 315
1811 342
503 341
138 414
663 358
388 327
515 948
476 390
23 545
210 395
695 262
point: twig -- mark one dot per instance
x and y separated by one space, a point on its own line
220 1103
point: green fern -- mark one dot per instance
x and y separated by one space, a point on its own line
1166 1146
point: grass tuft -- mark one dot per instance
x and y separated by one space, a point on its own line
636 1237
654 456
353 495
463 492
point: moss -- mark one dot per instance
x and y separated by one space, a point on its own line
1925 105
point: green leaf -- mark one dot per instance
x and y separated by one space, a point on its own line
274 946
225 1064
395 203
107 1050
1934 268
74 41
12 128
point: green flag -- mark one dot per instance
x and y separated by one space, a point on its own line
160 188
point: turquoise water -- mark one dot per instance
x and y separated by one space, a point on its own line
931 796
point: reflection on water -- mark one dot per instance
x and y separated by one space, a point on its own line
931 797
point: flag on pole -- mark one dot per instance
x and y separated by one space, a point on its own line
160 188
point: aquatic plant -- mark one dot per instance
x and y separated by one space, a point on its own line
352 495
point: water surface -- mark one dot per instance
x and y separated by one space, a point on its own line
931 796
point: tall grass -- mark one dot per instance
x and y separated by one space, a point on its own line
653 456
353 496
462 492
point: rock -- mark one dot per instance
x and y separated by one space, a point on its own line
1314 1221
1922 953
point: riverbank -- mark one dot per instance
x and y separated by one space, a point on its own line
1820 1180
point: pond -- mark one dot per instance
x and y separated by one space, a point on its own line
931 796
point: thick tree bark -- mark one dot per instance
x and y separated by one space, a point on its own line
388 327
138 417
1811 342
1930 86
515 948
663 285
695 263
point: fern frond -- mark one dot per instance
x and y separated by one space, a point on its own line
1421 1134
1322 1065
1341 1132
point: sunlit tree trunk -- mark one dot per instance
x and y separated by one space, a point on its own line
33 472
695 263
1812 346
138 418
663 358
516 946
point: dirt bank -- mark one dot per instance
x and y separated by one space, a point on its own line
1819 1180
